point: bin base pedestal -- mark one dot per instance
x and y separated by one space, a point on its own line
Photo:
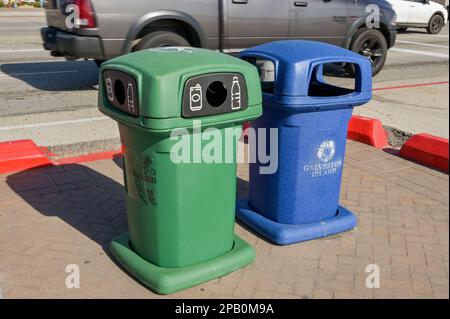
169 280
286 234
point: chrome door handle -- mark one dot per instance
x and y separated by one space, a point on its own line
300 4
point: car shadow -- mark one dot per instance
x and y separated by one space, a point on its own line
82 197
55 76
415 31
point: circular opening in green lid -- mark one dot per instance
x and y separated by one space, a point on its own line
119 91
216 94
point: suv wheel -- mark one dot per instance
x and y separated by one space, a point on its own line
436 24
161 39
371 44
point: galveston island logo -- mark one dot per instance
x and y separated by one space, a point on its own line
326 151
325 154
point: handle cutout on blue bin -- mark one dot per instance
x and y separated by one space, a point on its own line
267 73
330 79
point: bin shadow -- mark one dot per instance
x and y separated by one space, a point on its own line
242 188
85 199
55 76
242 192
118 160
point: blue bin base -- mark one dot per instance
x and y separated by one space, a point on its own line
286 234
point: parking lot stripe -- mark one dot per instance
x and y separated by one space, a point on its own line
20 127
37 61
22 50
424 44
37 73
420 52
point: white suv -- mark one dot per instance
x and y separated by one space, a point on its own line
420 14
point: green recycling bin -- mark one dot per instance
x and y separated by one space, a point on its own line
180 191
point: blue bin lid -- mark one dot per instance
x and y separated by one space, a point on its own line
298 63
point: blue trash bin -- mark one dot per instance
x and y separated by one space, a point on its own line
300 201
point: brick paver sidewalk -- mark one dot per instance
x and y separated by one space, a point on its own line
56 216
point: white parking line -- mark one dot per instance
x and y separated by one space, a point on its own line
37 73
20 127
419 52
37 61
424 44
21 50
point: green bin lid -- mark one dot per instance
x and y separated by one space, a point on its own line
168 88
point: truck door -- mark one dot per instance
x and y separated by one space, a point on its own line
320 20
251 22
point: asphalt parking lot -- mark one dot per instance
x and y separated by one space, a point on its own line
54 102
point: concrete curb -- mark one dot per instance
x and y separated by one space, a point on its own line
74 150
425 149
428 150
89 158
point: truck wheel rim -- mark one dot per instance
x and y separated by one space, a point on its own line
371 48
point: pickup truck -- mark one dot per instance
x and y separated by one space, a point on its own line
109 28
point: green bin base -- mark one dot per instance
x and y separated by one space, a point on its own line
165 281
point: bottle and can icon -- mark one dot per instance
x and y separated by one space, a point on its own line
236 94
130 97
109 89
196 99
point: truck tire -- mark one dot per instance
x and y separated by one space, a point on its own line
161 39
436 24
371 44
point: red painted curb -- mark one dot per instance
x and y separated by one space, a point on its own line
21 155
368 131
409 86
428 150
245 128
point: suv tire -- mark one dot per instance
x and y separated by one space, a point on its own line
436 24
371 44
161 39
